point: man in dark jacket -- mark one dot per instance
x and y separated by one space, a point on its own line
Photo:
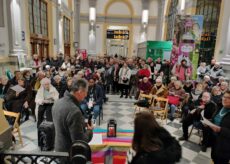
59 85
94 99
209 107
68 118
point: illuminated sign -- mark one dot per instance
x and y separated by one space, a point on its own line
206 37
118 34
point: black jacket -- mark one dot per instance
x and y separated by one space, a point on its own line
221 146
170 152
3 91
209 110
61 88
97 93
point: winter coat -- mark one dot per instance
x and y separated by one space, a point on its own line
97 94
69 123
61 88
221 146
40 96
146 87
4 89
124 73
182 73
35 65
169 153
160 92
15 103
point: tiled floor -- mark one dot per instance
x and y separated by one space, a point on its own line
122 111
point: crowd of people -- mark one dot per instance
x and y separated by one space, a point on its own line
50 85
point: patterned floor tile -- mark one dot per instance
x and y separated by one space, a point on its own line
202 159
192 146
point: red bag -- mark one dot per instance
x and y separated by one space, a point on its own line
174 100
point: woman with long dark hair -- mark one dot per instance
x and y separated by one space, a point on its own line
152 143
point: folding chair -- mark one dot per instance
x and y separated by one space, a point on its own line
160 110
16 126
199 130
141 97
100 114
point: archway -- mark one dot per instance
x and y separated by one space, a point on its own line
118 44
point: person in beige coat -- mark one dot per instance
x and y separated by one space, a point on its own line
45 98
124 79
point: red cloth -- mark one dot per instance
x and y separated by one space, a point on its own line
144 73
174 100
119 159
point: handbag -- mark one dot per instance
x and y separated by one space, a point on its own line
174 100
125 80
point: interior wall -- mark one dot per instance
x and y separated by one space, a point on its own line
151 33
136 38
84 35
123 9
84 6
153 8
99 39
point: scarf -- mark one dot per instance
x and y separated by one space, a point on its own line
36 62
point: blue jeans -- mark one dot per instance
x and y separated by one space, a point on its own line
172 110
96 110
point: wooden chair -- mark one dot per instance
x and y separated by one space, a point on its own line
16 126
141 97
160 108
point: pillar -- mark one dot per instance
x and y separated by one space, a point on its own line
76 23
222 50
144 25
15 32
160 21
92 29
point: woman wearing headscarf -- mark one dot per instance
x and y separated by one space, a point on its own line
45 98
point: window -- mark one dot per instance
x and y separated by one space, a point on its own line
210 9
1 14
38 17
38 27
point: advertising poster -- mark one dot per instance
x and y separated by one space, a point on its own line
186 42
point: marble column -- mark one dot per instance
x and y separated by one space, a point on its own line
60 31
76 23
15 32
57 13
144 27
92 30
225 61
222 49
160 20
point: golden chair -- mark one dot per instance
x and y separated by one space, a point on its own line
16 127
160 108
141 97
